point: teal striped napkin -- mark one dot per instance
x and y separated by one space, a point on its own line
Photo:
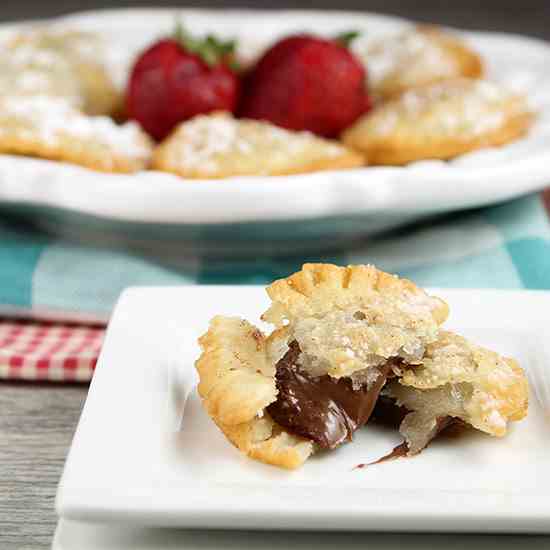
506 246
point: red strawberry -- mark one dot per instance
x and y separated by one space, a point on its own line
307 83
176 79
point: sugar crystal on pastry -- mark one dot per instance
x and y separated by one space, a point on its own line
346 320
218 146
418 56
60 63
440 121
52 128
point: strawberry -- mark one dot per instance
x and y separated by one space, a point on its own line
176 79
307 83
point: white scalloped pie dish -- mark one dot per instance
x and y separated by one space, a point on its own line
382 196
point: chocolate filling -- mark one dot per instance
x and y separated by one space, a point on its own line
389 413
323 409
397 452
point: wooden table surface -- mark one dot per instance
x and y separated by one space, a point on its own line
37 421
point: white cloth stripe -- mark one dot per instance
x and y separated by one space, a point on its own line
28 371
439 244
56 373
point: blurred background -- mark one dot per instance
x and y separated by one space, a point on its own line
527 17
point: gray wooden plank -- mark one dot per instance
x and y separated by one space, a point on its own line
36 427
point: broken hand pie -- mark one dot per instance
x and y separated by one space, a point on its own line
344 340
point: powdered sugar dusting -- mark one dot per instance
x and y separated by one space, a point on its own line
50 118
207 139
27 70
26 55
460 106
419 303
365 378
412 55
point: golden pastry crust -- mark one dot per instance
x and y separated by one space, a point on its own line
236 385
67 64
440 122
236 378
51 128
220 146
347 319
417 57
262 439
460 379
317 288
434 374
26 72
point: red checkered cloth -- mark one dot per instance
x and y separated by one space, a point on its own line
45 351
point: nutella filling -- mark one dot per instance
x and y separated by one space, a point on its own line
323 409
389 413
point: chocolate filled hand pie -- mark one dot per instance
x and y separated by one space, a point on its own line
344 340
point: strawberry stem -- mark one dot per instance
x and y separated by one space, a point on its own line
211 49
346 38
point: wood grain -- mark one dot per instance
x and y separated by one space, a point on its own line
36 427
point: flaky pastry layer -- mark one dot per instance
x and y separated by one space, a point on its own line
440 121
220 146
420 56
66 64
50 128
347 319
459 379
236 385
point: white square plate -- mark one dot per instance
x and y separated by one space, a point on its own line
143 455
74 535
